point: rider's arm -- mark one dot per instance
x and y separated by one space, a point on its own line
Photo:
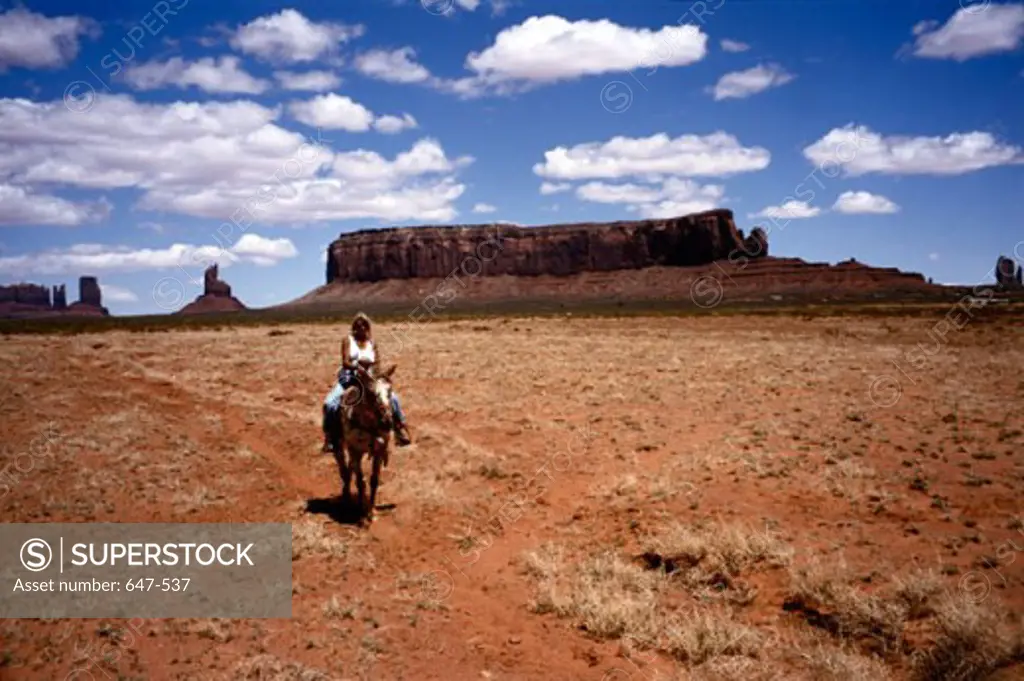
377 361
346 357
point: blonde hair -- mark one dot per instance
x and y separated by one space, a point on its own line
361 317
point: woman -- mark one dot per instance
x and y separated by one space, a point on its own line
358 349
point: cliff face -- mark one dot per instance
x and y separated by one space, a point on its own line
213 285
60 298
25 294
33 300
559 250
89 292
1008 273
677 259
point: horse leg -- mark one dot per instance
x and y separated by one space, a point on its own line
338 447
357 463
343 469
378 457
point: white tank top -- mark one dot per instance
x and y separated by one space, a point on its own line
355 353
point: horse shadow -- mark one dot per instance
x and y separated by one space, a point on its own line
345 511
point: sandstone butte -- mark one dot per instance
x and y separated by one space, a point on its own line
216 296
33 300
645 259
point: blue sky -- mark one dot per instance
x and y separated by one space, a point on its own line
131 133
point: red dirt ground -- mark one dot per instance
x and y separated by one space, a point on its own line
590 438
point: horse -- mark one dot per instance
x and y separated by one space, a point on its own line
362 427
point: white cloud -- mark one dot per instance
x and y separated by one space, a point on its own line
864 202
972 31
333 112
860 151
223 74
794 210
263 251
484 208
426 156
220 160
288 36
734 46
717 154
100 258
933 257
35 41
419 184
394 66
390 125
741 84
338 112
549 49
671 198
673 209
544 50
116 294
600 192
310 81
547 188
21 206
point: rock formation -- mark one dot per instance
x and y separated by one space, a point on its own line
756 279
696 256
26 294
216 296
756 245
559 250
90 298
33 300
212 285
60 298
1007 273
89 292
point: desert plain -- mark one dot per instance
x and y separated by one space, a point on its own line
695 497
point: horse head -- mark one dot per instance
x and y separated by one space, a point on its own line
378 393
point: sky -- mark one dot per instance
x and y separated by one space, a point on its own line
143 141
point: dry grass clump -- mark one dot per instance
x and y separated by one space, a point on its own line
841 664
214 629
713 554
735 669
270 668
917 592
698 636
973 641
310 538
611 598
426 488
845 478
826 599
607 596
